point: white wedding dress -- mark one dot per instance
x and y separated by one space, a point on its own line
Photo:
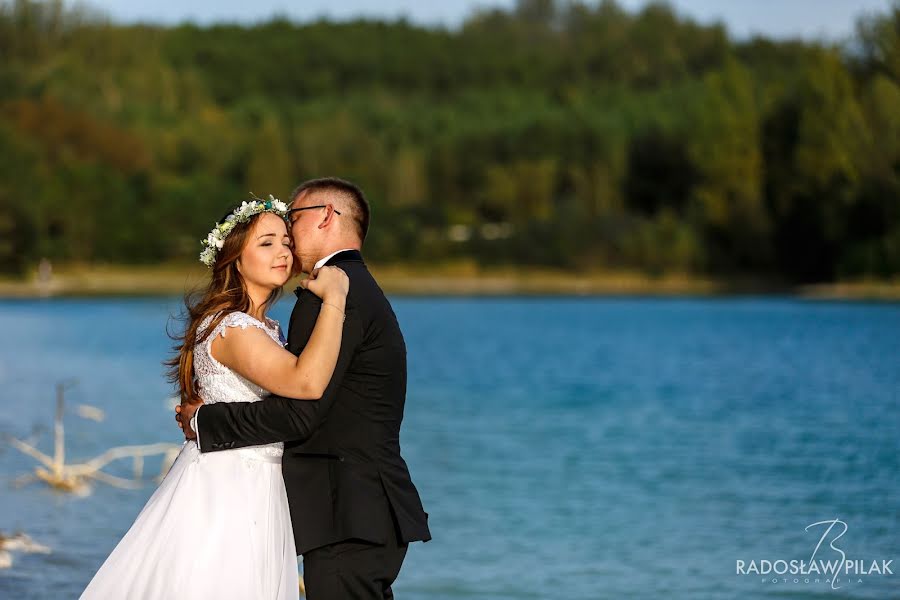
218 526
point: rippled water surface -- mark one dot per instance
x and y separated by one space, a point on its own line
564 448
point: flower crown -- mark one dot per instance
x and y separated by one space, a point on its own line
247 210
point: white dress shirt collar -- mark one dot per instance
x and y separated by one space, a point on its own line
322 262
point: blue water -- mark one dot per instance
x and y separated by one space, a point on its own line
564 448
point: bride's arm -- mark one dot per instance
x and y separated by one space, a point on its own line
254 355
226 425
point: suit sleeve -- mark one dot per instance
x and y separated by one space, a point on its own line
226 425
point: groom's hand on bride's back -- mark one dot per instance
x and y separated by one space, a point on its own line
184 412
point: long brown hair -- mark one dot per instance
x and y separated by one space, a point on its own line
225 293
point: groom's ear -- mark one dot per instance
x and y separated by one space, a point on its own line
329 215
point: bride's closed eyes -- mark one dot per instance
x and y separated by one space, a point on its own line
284 242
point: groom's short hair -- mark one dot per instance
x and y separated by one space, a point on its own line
354 197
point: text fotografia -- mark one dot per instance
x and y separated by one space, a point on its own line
833 571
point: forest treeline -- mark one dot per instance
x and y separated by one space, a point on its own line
564 134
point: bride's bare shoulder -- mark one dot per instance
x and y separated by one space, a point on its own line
241 329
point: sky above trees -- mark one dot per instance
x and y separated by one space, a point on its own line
828 19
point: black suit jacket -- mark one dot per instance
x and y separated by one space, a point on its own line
342 467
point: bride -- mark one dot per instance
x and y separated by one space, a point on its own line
218 526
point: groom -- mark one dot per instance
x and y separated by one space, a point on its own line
353 505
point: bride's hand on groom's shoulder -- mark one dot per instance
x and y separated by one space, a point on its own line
328 283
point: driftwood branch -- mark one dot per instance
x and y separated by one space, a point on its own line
98 462
74 477
18 542
59 433
32 452
23 480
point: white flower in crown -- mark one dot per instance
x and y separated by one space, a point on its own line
216 238
208 257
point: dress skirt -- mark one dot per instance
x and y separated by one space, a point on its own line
217 527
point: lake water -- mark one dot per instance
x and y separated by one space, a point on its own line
564 448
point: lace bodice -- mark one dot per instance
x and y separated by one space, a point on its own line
218 383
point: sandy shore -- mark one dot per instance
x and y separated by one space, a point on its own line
452 280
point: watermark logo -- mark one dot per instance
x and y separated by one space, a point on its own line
825 565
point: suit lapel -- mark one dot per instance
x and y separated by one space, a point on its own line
303 320
306 310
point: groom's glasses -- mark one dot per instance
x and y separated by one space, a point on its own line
294 210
